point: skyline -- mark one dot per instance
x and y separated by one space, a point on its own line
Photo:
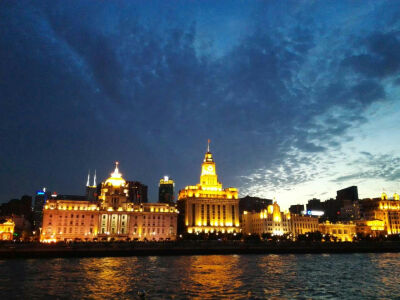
299 99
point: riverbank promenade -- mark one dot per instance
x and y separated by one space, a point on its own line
37 250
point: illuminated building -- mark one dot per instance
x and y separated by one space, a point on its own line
114 217
343 232
207 207
6 230
384 209
166 190
372 228
270 220
69 220
303 224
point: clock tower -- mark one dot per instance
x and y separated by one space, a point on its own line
209 177
207 207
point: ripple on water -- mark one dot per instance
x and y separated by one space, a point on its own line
348 276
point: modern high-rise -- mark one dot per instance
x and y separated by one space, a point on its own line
207 207
166 190
40 200
137 192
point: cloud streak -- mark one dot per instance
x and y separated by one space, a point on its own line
121 81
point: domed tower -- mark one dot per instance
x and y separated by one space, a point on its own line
114 191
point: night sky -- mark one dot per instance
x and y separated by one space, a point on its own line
298 98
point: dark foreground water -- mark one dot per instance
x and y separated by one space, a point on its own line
309 276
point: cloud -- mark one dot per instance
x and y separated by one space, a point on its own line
131 81
383 166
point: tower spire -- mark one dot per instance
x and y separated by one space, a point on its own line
88 178
208 145
94 179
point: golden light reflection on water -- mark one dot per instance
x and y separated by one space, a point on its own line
107 276
209 275
339 276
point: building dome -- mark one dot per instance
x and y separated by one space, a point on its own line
116 178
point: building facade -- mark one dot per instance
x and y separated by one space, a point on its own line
384 209
113 217
207 207
6 230
270 221
300 224
373 228
343 232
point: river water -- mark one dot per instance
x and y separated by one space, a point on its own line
308 276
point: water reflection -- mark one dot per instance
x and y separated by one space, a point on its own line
347 276
210 276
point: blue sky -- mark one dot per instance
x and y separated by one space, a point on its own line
299 98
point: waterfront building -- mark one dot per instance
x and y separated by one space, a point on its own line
342 231
270 220
302 224
6 229
384 209
373 228
207 207
114 217
166 190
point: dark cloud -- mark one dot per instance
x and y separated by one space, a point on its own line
381 57
87 83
